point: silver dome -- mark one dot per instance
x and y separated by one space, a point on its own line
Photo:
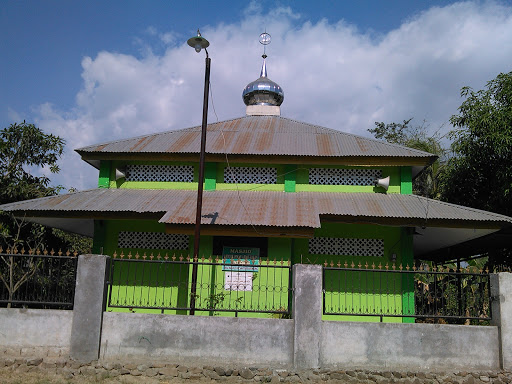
263 91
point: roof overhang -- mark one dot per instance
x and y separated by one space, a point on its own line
418 163
438 226
81 226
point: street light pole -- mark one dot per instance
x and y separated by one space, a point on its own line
198 42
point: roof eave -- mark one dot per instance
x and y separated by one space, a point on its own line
93 158
415 222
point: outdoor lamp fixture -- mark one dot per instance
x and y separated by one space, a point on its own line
198 43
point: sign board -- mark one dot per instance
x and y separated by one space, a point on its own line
239 263
240 259
238 281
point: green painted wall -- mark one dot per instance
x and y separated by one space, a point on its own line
222 186
122 183
127 282
345 293
302 180
392 293
291 178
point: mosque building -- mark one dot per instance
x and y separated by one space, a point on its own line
274 189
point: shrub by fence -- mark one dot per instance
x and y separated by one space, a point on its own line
37 279
165 284
424 294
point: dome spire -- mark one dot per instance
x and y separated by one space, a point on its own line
263 96
264 67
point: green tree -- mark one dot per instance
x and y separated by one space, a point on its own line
23 149
479 174
427 182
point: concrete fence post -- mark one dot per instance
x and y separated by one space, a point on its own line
501 301
88 307
307 315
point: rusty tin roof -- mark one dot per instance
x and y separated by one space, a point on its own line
260 208
258 135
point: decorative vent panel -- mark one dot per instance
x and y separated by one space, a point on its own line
334 176
184 173
346 247
250 175
152 240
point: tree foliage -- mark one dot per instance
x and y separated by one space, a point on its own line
427 183
24 148
479 174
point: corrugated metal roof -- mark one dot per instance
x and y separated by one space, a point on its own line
97 200
259 135
259 208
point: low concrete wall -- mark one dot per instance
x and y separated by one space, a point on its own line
409 346
35 332
270 342
303 343
198 340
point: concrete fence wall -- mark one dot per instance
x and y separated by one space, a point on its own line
409 346
35 332
89 333
204 340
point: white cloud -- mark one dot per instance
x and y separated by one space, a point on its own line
332 75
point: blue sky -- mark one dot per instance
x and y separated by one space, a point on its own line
43 42
92 71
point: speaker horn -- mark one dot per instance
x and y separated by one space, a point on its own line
119 174
384 183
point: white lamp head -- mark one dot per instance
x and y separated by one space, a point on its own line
198 42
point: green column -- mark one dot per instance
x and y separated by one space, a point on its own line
98 240
406 180
104 178
289 178
407 255
210 176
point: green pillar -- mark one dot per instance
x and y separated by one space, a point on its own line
98 240
210 176
289 178
104 178
407 255
406 180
